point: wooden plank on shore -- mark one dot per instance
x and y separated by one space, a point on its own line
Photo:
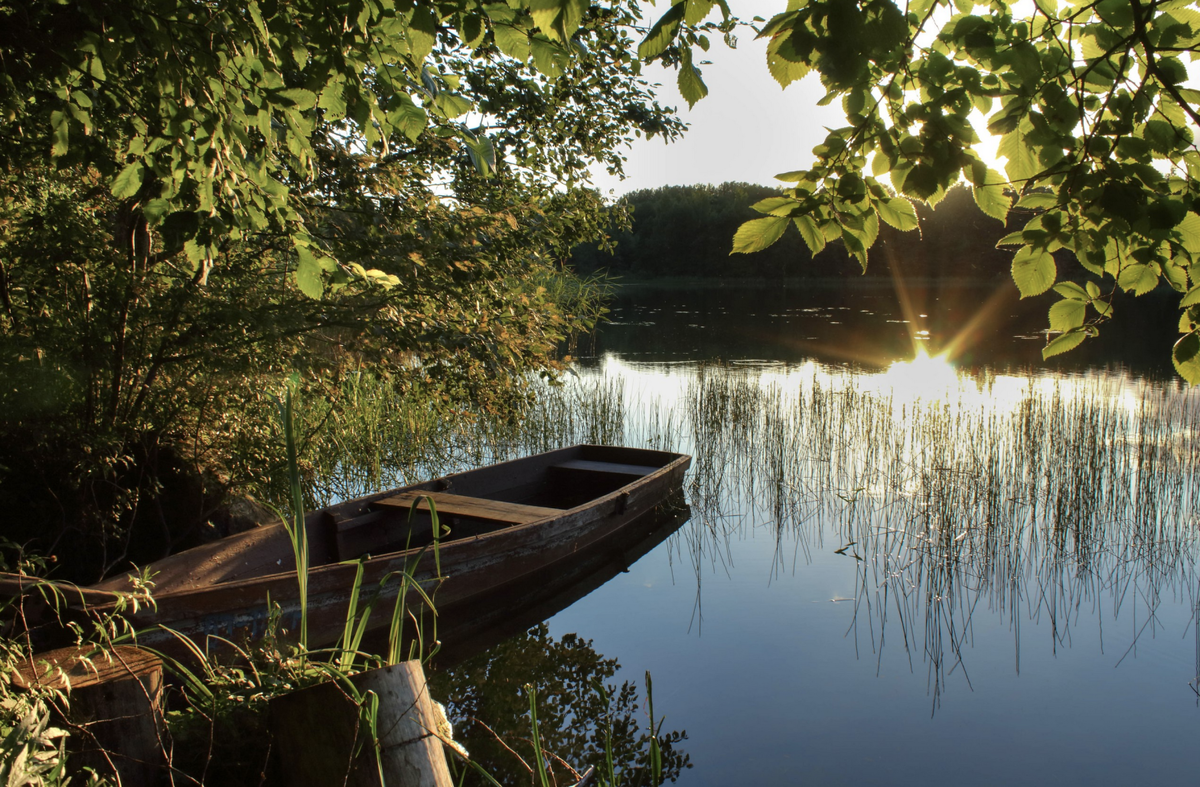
115 708
475 507
615 468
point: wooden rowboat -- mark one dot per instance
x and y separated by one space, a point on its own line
508 522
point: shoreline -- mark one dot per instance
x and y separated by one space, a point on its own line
823 283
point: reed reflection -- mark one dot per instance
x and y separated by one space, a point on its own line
1041 501
1041 504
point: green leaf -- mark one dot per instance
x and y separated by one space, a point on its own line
558 19
1192 298
333 101
1189 233
1161 136
1067 314
409 118
1022 158
1069 289
697 10
298 97
758 234
128 181
452 105
662 33
512 41
990 197
1064 343
776 206
471 29
898 212
1138 278
155 211
691 86
813 237
1038 200
482 154
785 61
196 253
1033 271
1186 357
547 56
1011 239
61 126
309 274
870 229
422 33
1175 273
921 182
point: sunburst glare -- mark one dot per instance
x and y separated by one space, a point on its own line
924 377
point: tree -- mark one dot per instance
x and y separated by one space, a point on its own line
1091 104
197 199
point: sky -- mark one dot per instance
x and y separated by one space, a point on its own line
747 128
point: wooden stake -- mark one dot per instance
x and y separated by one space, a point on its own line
321 737
114 708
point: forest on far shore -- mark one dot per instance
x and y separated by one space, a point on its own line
687 231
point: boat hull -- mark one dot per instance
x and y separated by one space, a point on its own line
237 606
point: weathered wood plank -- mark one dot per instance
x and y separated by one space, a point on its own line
476 507
115 709
606 467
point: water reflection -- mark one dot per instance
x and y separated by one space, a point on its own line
1035 499
875 562
870 325
577 723
469 630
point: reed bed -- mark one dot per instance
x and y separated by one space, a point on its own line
1029 495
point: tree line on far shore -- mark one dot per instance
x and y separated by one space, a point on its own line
687 231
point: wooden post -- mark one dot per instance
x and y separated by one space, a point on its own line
114 708
321 738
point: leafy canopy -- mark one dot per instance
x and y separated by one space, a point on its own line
1096 124
207 119
199 198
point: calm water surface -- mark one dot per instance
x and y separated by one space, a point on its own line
905 577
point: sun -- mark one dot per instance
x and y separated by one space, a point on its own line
924 377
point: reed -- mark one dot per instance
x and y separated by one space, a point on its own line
1060 490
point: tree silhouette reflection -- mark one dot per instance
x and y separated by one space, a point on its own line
489 708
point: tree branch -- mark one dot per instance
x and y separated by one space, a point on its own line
1139 26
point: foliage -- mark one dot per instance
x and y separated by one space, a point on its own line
580 718
210 122
1094 117
33 752
684 231
198 200
218 714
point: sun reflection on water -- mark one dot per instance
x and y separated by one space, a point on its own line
925 377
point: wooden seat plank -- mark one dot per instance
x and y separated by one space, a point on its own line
475 507
616 468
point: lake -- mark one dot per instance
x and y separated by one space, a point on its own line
890 573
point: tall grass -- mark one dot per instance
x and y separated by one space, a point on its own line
382 436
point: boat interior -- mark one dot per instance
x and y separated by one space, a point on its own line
470 503
488 499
